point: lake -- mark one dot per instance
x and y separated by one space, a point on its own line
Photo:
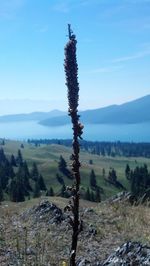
25 130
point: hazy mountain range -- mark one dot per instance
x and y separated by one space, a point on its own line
34 116
132 112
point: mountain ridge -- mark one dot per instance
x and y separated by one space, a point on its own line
132 112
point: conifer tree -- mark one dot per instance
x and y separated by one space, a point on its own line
36 191
127 172
93 182
19 158
41 183
13 160
24 178
50 192
92 196
34 172
87 194
2 156
97 195
16 189
62 165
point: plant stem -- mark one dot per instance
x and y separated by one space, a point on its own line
71 70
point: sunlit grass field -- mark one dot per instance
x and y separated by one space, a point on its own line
47 157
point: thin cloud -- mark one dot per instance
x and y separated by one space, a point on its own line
106 69
132 57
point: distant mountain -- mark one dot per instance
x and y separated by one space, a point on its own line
133 112
35 116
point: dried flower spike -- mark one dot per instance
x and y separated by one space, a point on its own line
71 71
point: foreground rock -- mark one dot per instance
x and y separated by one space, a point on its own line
122 196
130 253
45 211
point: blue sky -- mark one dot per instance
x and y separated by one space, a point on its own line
113 52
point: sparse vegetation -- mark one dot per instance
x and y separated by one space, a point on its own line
114 224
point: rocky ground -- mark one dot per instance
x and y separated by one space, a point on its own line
38 233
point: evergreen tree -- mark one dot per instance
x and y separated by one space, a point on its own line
112 177
103 172
36 191
16 189
97 195
62 165
50 192
24 176
92 196
34 172
6 172
13 160
41 183
60 179
127 172
26 170
93 182
2 156
140 181
19 158
87 194
9 169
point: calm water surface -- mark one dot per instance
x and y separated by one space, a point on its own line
25 130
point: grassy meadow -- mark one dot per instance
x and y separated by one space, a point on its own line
47 157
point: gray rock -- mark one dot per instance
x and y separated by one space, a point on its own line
30 251
83 262
129 254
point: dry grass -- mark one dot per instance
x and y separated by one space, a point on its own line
49 244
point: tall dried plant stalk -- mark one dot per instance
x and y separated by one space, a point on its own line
71 71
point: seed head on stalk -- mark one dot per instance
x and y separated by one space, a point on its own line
71 71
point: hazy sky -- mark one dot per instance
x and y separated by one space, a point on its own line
113 52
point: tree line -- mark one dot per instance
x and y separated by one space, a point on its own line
103 148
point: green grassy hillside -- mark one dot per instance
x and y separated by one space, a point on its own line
47 157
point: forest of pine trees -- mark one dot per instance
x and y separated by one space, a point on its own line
16 179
